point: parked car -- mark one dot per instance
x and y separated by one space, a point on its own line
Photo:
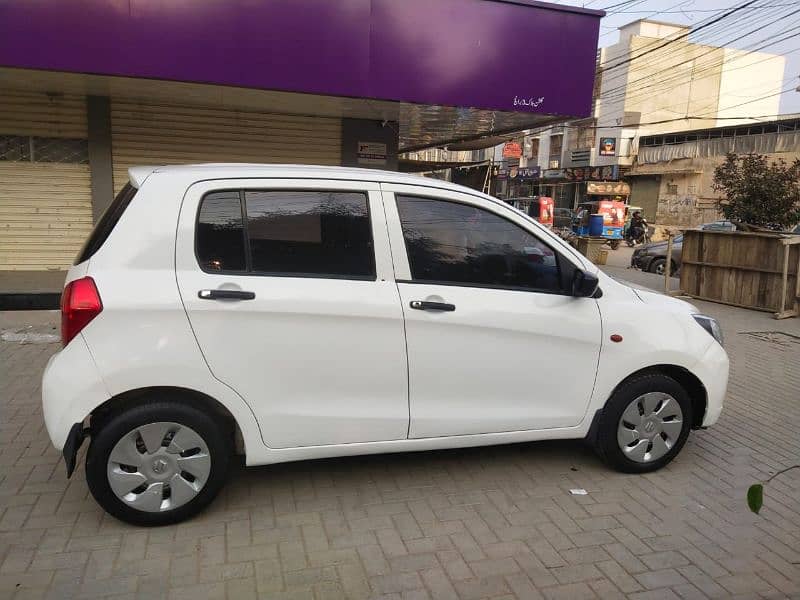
653 256
563 217
299 312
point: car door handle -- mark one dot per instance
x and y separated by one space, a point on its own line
225 295
425 305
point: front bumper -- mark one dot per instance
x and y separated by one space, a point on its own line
712 370
641 261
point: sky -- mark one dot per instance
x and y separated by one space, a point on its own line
773 19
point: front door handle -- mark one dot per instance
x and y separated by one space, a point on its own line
225 295
425 305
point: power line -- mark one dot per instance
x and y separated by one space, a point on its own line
684 35
627 88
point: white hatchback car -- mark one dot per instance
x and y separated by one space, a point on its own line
297 312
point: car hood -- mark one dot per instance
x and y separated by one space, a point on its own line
659 246
664 302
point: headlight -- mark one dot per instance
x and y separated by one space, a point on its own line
711 325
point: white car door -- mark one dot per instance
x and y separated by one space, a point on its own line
289 289
495 342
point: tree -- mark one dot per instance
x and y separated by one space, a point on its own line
759 194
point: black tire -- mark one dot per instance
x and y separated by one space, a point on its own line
606 443
657 265
614 244
113 427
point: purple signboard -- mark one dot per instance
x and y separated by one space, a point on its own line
501 55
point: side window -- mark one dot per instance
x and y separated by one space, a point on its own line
310 233
219 241
453 243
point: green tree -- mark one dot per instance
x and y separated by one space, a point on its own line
759 194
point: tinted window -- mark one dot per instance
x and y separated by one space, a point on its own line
449 242
106 223
310 233
220 236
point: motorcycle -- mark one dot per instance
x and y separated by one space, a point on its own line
641 239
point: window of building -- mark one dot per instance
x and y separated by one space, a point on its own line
458 244
310 233
533 151
556 144
219 240
25 148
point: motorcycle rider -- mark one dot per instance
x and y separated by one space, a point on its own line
637 228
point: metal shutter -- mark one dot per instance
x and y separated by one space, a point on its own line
45 207
159 134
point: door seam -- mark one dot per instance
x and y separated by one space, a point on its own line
402 310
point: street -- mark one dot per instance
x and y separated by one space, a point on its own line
479 523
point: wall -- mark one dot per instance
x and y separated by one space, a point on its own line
747 78
686 197
357 131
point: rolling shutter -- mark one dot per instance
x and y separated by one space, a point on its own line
45 197
159 134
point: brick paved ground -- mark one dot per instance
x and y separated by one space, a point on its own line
479 523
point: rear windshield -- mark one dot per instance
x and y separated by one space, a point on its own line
106 223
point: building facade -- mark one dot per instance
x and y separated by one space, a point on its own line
680 166
90 88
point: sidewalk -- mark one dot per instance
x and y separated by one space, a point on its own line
478 523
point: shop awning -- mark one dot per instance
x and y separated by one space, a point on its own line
439 67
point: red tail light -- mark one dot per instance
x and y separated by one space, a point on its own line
80 303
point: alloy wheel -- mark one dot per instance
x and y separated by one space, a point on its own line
158 466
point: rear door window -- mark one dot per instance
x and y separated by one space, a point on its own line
288 233
310 233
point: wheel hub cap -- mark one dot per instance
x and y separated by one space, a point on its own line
158 466
650 426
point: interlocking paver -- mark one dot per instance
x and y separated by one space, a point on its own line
486 522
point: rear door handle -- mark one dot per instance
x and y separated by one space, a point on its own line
225 295
425 305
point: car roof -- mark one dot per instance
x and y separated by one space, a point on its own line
235 170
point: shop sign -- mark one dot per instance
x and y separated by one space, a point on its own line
512 150
552 173
371 153
527 173
610 172
616 188
502 173
608 146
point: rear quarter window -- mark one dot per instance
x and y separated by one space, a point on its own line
106 223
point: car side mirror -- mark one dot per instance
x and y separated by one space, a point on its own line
584 285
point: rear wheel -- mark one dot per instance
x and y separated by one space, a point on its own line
614 244
644 424
157 463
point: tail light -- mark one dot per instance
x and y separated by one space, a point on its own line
80 303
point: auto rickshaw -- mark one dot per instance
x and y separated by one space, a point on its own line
538 207
613 212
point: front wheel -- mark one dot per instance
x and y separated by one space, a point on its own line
157 463
644 424
658 266
614 244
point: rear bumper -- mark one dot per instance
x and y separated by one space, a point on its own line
71 388
712 370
